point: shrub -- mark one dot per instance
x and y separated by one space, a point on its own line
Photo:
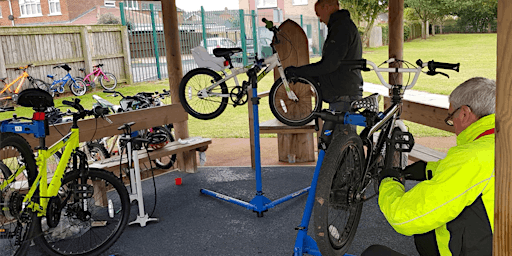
108 18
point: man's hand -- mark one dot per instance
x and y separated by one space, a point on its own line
290 72
391 173
417 172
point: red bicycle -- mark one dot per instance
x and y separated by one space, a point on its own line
107 80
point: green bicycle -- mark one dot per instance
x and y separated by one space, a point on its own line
78 211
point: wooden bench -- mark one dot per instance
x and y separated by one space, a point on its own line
112 164
420 152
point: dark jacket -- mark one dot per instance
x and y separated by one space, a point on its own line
342 43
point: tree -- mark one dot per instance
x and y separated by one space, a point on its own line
474 15
108 18
427 10
364 11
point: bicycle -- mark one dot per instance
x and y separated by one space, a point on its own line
107 80
348 164
79 211
77 87
7 95
139 101
204 93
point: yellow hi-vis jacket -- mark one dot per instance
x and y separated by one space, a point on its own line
456 206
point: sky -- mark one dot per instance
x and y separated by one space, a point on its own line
208 5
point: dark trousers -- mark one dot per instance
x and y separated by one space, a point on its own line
380 250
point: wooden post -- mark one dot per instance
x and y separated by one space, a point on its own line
396 38
86 49
503 191
251 130
186 161
126 50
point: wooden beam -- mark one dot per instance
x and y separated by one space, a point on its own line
175 71
396 39
91 129
503 205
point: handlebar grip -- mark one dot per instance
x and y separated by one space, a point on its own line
432 65
69 103
108 91
100 111
268 24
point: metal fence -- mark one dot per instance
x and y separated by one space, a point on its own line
209 29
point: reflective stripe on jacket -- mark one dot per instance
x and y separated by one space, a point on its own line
462 185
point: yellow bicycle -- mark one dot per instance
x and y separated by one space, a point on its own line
8 97
78 211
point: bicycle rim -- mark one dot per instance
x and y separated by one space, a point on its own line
295 112
200 106
108 82
339 182
87 225
15 154
78 88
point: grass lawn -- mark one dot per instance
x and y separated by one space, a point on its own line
475 52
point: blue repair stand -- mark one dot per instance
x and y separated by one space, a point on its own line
259 203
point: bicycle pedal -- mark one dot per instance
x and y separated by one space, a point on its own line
83 191
402 141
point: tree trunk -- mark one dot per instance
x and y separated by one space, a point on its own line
433 29
440 29
427 29
423 30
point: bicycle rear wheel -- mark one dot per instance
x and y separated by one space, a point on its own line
6 100
295 112
196 100
78 87
165 162
15 155
109 81
40 84
337 210
87 223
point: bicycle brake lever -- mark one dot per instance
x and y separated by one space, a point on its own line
444 74
107 119
317 127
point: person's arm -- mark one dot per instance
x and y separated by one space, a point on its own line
458 180
335 51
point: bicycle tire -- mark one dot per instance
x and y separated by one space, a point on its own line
40 84
78 87
339 180
98 151
167 161
73 240
108 85
198 107
295 113
15 153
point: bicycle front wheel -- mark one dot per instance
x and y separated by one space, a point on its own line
109 81
295 111
196 100
337 210
15 156
78 87
87 216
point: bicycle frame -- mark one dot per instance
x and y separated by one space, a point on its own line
20 78
96 73
64 81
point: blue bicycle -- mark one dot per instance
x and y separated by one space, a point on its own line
77 87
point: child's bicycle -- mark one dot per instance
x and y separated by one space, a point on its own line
348 164
204 93
107 80
76 86
8 97
79 211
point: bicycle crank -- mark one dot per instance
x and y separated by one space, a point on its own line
239 96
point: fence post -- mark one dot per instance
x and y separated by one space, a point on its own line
121 9
127 60
86 49
3 70
242 37
204 28
319 39
254 32
155 43
301 22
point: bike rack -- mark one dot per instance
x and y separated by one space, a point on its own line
259 203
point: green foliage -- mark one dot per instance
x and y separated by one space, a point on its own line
476 15
365 11
109 18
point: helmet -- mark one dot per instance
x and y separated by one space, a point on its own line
157 140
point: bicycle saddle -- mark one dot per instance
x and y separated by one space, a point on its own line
225 52
64 66
370 103
37 99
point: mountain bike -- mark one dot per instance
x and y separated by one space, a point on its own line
9 97
107 80
349 164
204 92
77 87
78 211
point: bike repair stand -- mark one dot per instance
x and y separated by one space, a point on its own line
259 203
135 180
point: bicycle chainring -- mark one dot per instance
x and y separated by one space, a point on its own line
238 95
53 211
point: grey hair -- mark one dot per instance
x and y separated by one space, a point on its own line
478 93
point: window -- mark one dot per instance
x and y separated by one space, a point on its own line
30 8
300 2
132 5
109 3
54 7
0 12
157 6
266 3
